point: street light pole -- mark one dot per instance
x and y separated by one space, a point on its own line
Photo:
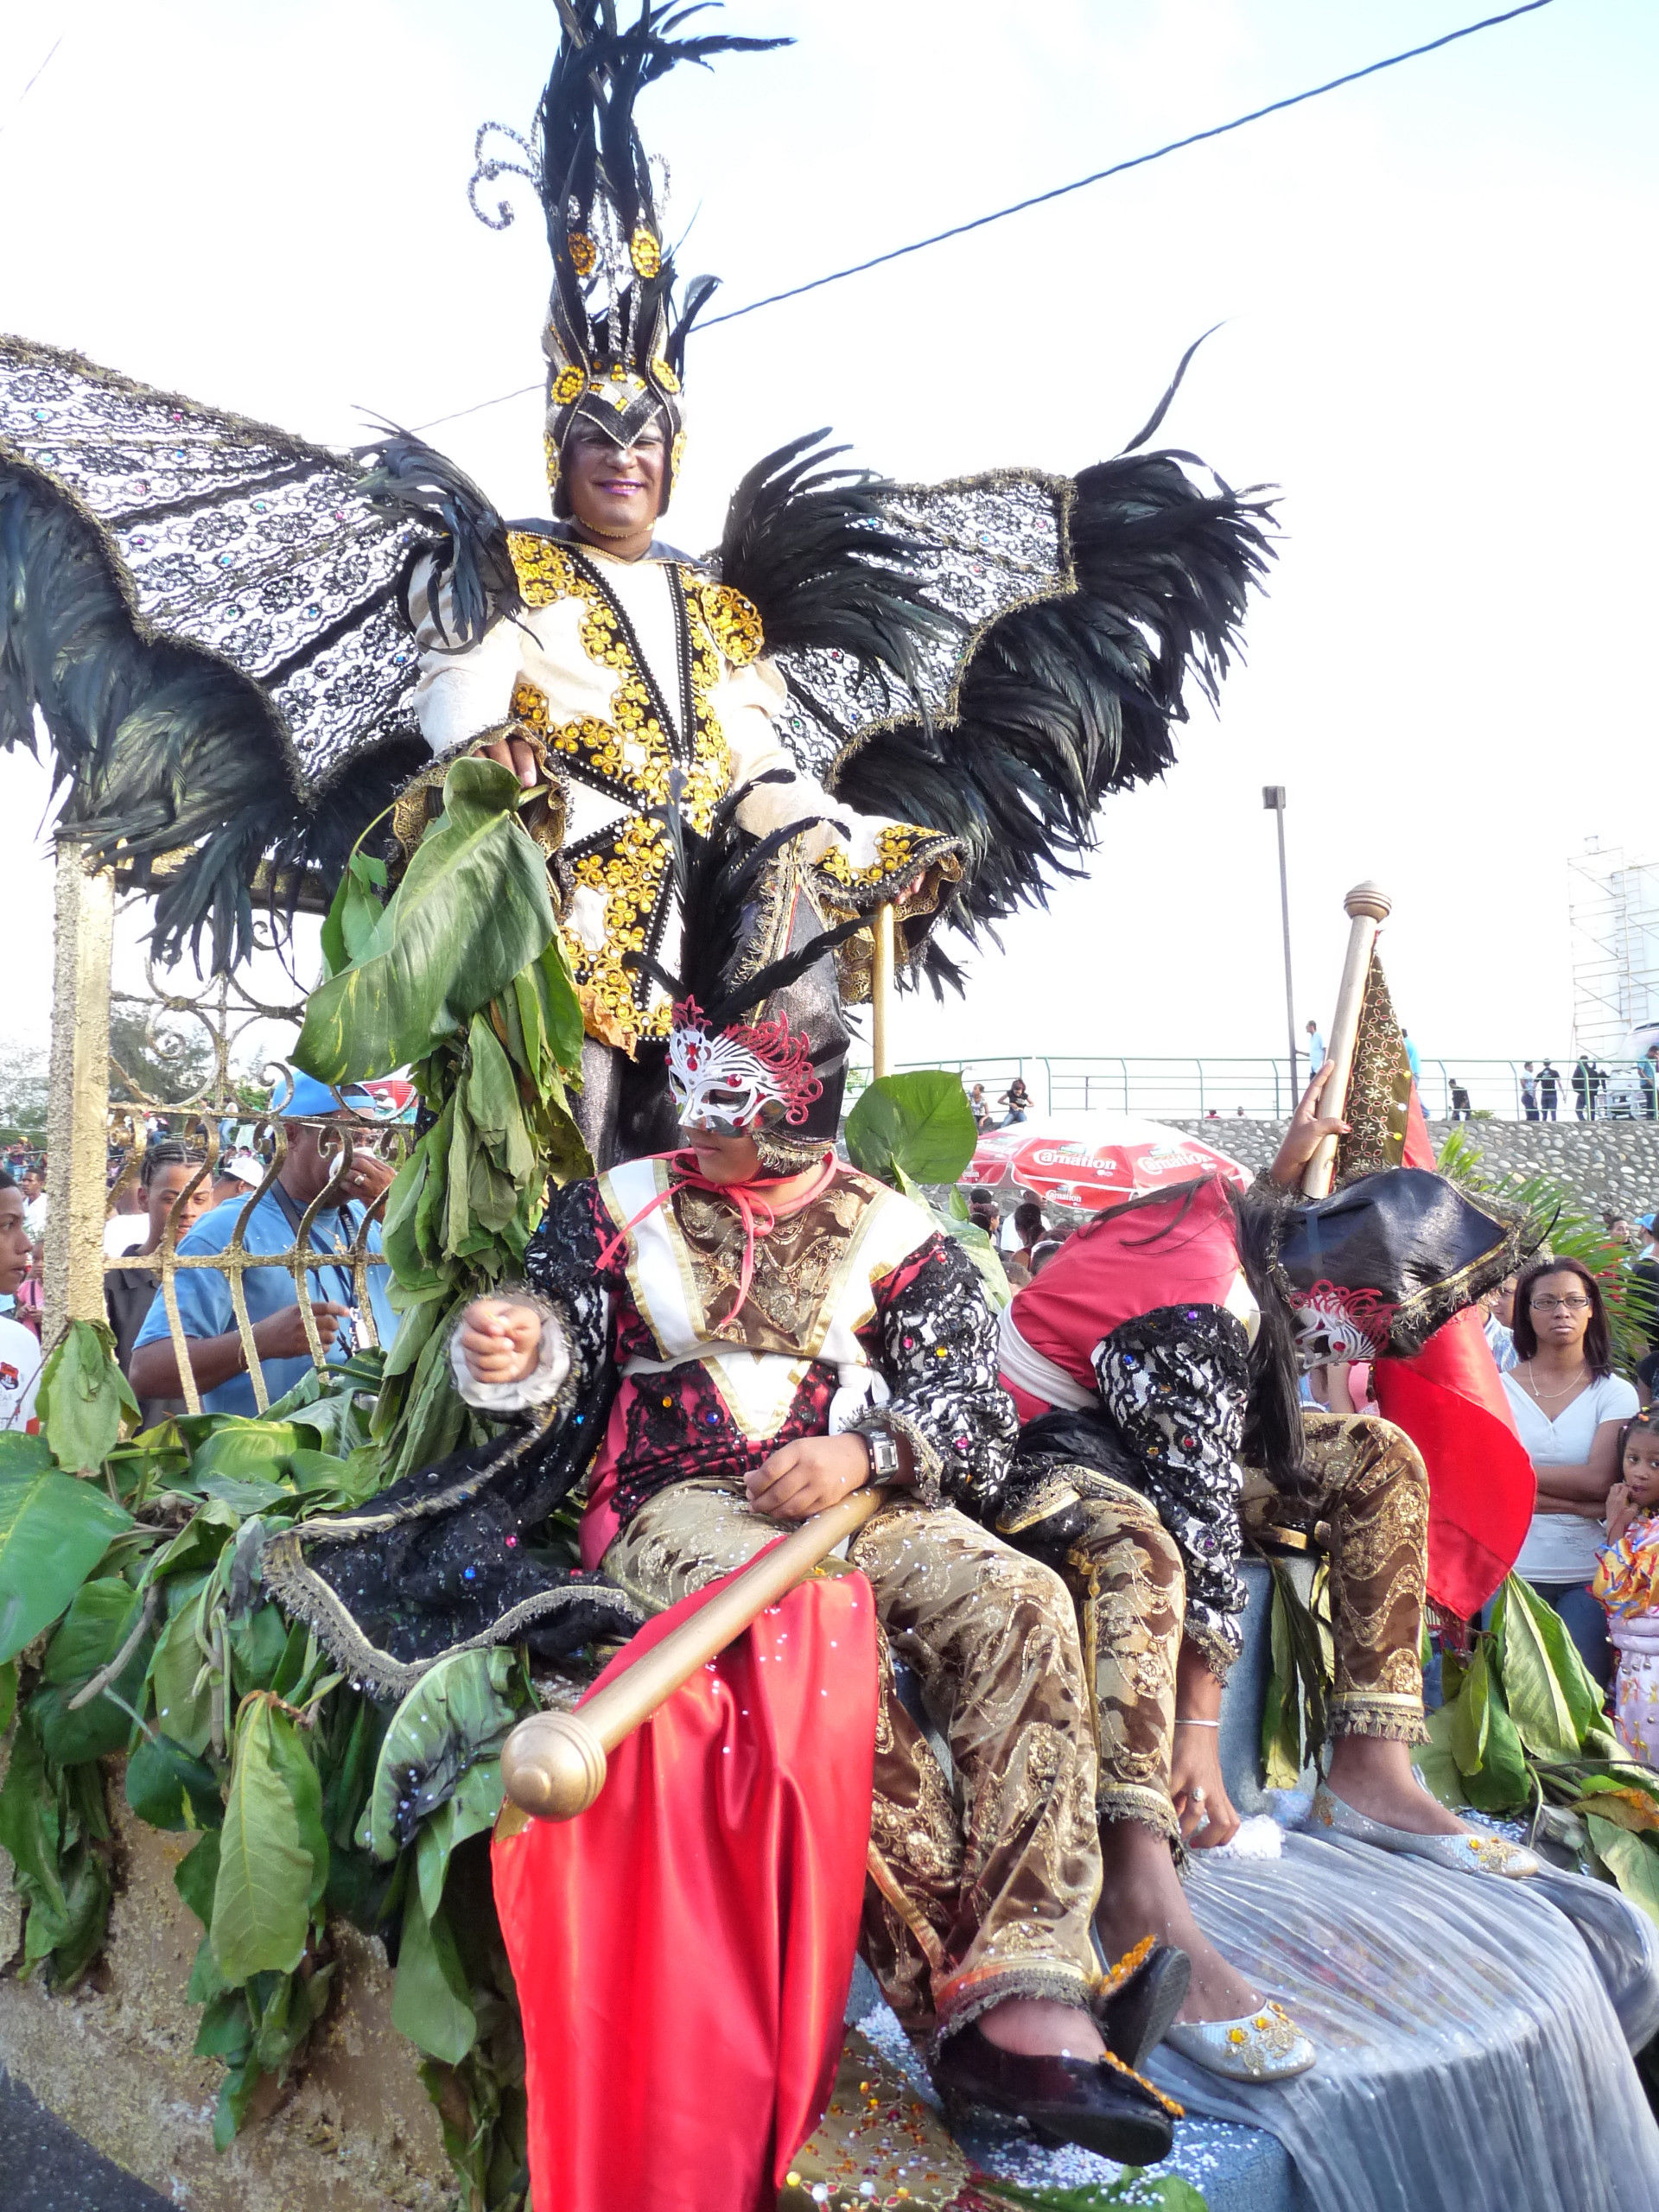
1273 797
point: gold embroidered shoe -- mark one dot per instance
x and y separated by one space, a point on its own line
1261 2046
1464 1853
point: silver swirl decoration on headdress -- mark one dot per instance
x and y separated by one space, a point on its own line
488 167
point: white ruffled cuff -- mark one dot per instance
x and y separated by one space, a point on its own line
538 1389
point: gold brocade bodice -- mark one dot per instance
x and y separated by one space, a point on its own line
619 768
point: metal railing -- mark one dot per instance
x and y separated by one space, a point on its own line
1194 1090
301 1257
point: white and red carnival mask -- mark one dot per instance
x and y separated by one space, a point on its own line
751 1075
1335 1323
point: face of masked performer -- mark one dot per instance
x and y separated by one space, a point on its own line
724 1159
615 492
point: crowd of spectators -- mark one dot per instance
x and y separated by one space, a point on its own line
164 1194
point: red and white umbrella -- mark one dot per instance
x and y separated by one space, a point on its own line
1094 1161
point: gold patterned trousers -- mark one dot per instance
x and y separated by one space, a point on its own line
1364 1492
976 1894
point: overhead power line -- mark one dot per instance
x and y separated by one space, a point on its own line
1060 191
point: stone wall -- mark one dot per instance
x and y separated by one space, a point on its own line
1604 1163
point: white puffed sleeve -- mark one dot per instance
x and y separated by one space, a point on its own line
459 695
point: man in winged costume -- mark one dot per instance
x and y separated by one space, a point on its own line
247 650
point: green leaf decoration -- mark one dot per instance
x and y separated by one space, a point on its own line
97 1623
472 1809
24 1455
53 1530
919 1125
1551 1696
300 1777
1469 1719
257 1642
471 912
455 1716
170 1789
76 1941
244 1497
354 914
262 1898
196 1877
235 2095
82 1396
1631 1860
29 1822
248 1451
183 1700
1436 1762
290 2010
431 2002
1503 1782
227 2030
7 1694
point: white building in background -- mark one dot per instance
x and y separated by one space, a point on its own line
1613 905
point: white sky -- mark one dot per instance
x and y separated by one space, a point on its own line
1437 290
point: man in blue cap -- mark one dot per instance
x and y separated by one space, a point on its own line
218 1358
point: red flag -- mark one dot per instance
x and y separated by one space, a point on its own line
1451 1403
682 1950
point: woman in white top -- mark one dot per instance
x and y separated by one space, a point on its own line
1568 1406
20 1348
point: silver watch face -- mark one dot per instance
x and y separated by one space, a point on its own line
884 1455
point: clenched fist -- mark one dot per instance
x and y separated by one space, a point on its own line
500 1339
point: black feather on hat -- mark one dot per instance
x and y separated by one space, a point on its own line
755 949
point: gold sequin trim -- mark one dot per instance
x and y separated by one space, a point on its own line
636 756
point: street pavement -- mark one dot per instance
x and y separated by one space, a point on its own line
45 2166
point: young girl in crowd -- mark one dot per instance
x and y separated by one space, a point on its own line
1627 1583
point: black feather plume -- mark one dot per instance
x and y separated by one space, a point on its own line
721 878
1076 696
810 546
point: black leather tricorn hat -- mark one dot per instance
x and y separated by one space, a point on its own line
1376 1268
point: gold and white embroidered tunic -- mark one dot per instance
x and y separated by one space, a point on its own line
622 673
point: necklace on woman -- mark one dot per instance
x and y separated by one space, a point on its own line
1545 1397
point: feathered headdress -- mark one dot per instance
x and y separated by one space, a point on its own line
757 1044
615 336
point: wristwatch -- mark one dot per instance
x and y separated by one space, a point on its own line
884 1455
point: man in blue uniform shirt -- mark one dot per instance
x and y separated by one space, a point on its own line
217 1356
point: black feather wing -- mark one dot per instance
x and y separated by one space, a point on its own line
992 658
211 617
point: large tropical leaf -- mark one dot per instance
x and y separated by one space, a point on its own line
53 1530
1502 1782
170 1789
1551 1696
471 913
919 1125
453 1717
262 1898
431 2002
1631 1860
83 1395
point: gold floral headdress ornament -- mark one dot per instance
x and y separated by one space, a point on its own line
615 337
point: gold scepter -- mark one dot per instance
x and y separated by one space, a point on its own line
553 1763
1367 906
